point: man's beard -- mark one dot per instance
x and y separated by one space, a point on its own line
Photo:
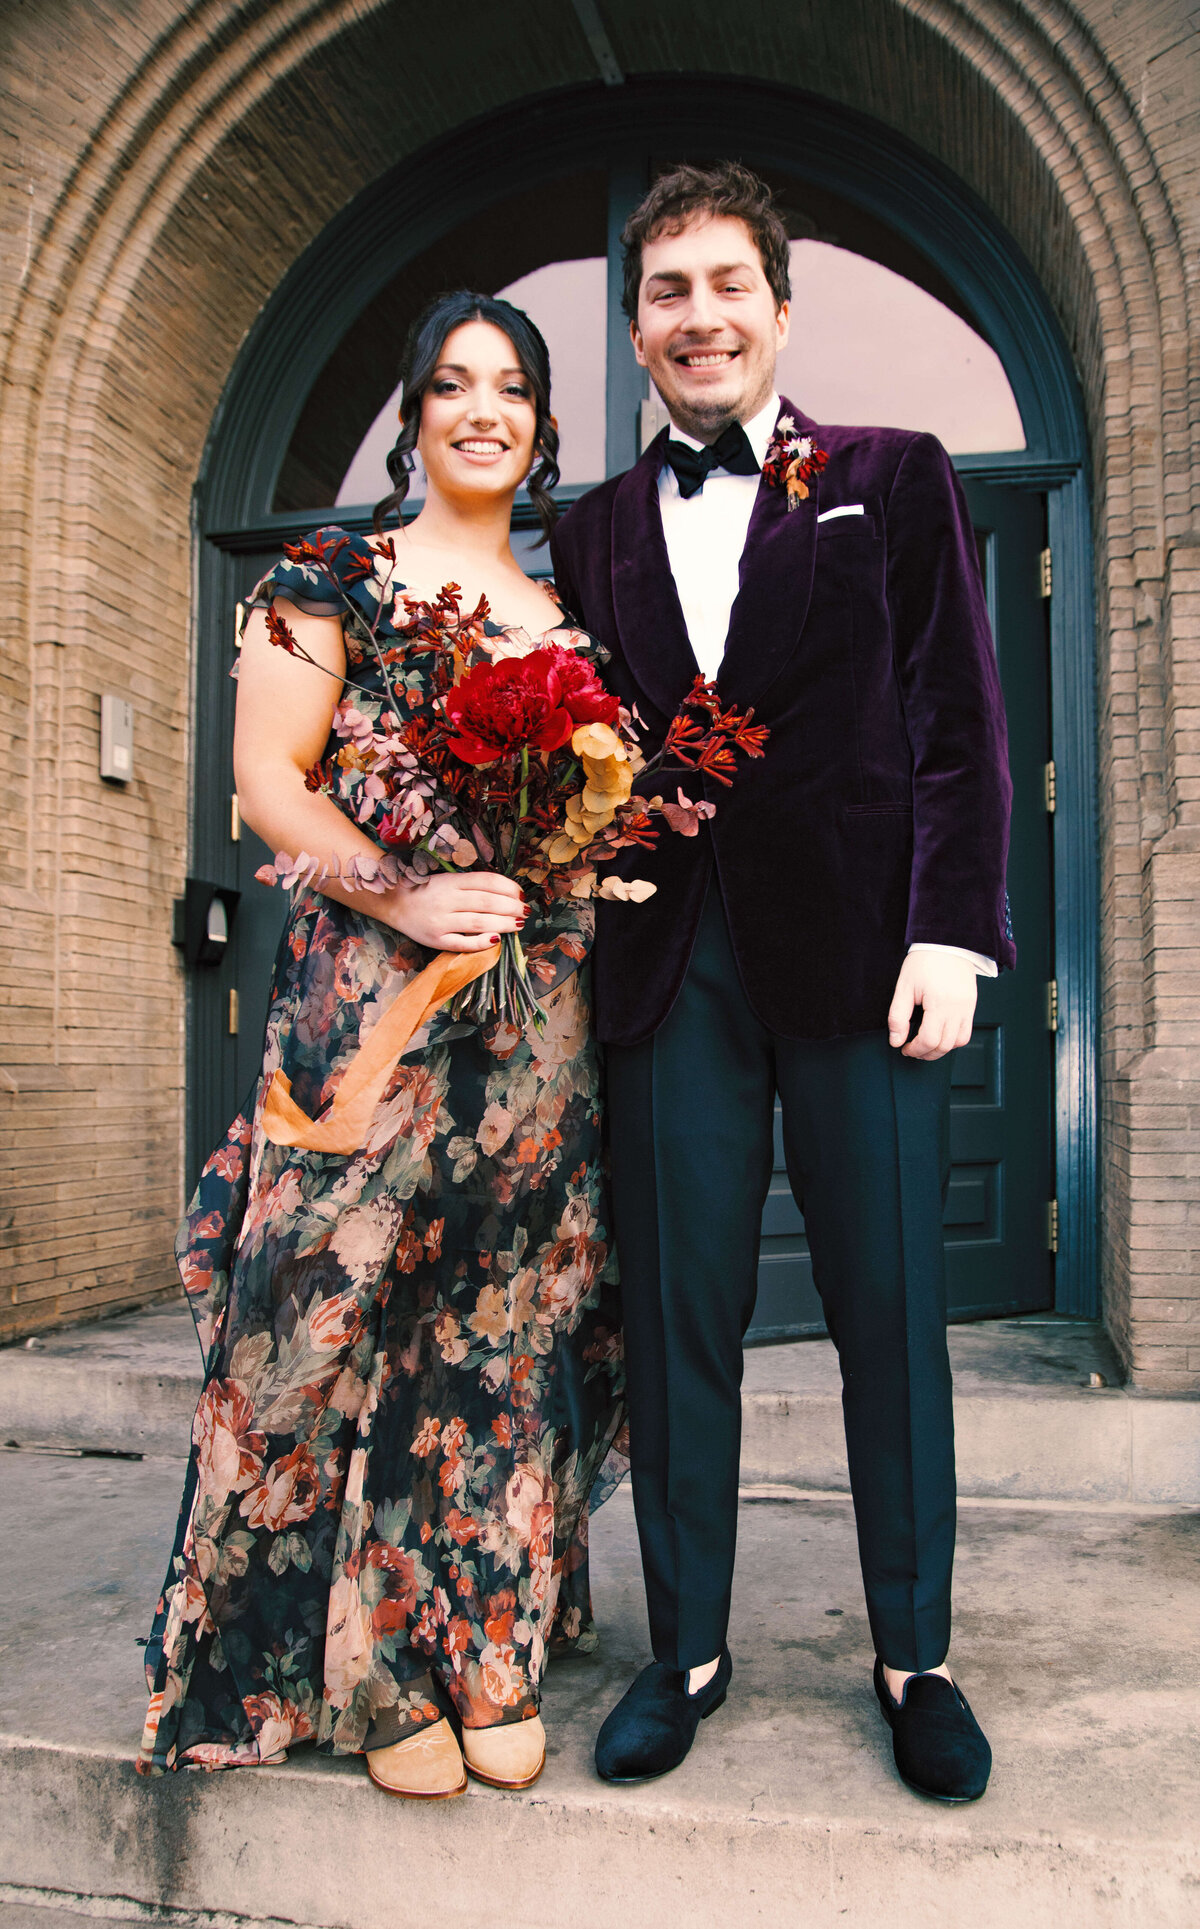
707 420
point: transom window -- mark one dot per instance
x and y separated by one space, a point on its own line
877 336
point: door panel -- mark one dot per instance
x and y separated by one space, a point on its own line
1001 1148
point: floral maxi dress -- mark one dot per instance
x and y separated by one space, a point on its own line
412 1353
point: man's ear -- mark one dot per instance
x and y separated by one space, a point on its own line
635 336
783 324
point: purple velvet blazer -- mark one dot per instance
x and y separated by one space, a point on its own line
879 814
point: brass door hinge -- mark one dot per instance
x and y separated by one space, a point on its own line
1052 1225
1051 788
233 1011
1046 574
1052 1005
235 820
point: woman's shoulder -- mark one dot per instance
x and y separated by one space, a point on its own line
316 570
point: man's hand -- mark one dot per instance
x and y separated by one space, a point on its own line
945 988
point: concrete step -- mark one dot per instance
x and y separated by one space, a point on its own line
1030 1423
1076 1631
1039 1414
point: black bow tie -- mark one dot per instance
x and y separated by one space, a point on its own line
730 451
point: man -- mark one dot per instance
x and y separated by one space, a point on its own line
852 876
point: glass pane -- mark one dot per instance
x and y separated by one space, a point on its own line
561 225
869 345
568 301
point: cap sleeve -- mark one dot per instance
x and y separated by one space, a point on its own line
305 584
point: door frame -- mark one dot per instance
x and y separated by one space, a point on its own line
814 140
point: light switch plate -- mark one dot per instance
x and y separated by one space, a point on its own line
116 739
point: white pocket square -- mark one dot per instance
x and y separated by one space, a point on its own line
847 509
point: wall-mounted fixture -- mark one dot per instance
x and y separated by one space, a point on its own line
203 920
116 740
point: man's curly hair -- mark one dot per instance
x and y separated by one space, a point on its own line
685 193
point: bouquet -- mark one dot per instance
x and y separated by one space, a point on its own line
522 763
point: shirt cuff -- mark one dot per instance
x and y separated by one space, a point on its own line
986 967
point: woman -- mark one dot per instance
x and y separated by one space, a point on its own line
412 1362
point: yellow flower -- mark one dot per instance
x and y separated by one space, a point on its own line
597 740
582 821
561 849
607 786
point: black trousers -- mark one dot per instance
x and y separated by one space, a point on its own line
866 1139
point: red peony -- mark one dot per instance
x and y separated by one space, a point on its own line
583 694
499 709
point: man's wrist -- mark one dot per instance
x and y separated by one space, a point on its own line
985 967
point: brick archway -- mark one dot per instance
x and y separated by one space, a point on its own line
214 156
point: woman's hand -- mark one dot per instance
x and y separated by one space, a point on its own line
463 911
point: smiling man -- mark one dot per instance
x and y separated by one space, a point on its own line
849 882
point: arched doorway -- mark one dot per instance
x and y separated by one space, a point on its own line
549 184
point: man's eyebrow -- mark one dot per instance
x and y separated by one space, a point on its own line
724 268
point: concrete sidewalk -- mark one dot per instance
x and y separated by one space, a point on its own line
1076 1641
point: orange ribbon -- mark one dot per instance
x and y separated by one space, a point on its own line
344 1126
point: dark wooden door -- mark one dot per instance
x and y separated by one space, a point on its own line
1002 1175
228 1001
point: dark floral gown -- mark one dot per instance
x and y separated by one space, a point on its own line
412 1353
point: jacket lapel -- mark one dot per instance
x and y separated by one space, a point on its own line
649 617
776 578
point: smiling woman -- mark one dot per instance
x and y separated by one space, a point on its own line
457 1269
475 395
566 301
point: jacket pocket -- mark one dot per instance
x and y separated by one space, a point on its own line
840 528
896 808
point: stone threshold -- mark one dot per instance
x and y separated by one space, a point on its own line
1039 1412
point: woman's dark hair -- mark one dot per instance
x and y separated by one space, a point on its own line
687 194
423 352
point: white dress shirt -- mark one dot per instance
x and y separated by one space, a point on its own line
706 534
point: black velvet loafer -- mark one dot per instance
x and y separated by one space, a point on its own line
939 1747
654 1724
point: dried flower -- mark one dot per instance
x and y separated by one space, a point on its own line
793 461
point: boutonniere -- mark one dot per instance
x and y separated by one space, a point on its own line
792 461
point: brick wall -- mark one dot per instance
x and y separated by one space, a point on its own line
161 172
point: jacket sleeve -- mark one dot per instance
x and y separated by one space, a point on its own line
953 711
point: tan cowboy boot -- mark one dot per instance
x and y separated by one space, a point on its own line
512 1756
428 1767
